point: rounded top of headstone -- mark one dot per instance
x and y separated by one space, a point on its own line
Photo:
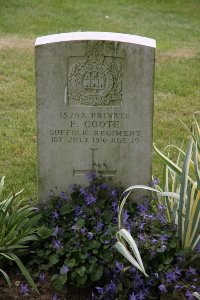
98 36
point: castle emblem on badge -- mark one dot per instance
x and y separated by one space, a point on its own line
94 80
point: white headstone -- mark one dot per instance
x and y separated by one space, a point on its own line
94 108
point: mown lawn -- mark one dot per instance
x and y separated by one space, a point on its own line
174 24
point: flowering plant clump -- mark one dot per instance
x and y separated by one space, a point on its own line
77 238
77 233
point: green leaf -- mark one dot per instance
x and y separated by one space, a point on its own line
120 287
96 274
122 249
173 244
58 281
71 263
6 277
44 232
197 295
168 260
92 259
81 279
81 271
6 256
96 244
2 185
80 223
107 216
53 260
24 271
40 253
94 251
92 267
108 256
66 209
83 256
183 192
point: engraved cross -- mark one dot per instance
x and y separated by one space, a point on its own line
98 168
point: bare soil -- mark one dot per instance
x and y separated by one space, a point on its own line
16 43
45 288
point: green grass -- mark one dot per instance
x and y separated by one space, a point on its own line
175 24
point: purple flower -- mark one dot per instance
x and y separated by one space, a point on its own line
154 182
115 207
24 289
193 287
42 277
153 253
57 244
163 248
111 287
78 210
156 275
115 220
55 298
162 288
161 218
57 230
137 280
125 216
83 192
171 276
72 188
178 287
91 176
90 199
180 258
74 227
140 296
83 230
105 242
104 186
146 291
100 290
55 214
133 296
198 248
141 238
99 226
161 207
191 271
90 235
163 238
154 241
64 270
177 271
141 227
114 193
142 208
63 196
150 282
133 270
149 217
119 267
189 296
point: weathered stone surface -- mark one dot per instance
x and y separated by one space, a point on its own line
94 108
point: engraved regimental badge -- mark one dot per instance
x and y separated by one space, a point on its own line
94 79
